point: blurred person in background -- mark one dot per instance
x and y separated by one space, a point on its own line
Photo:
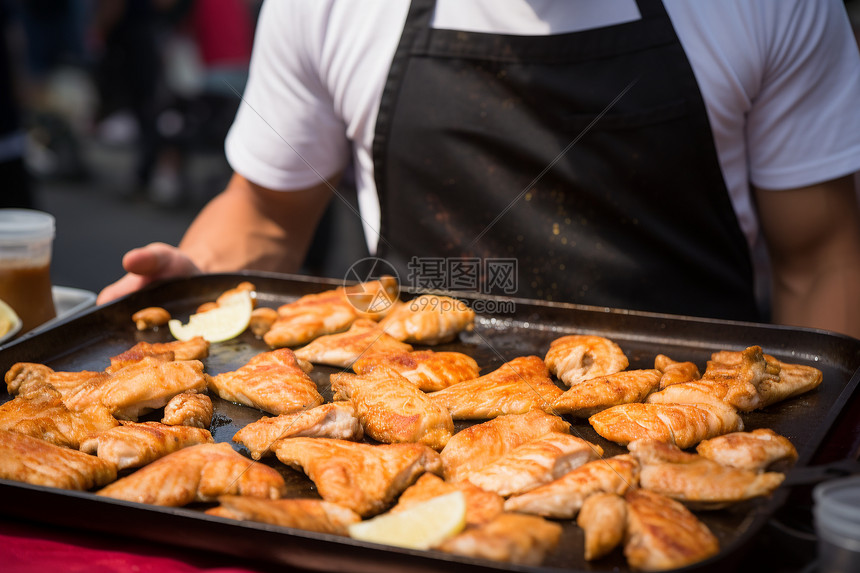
625 154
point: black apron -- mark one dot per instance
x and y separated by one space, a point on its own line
470 166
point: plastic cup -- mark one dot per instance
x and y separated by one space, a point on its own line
26 241
837 523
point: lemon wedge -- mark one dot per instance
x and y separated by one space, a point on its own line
422 526
10 323
228 320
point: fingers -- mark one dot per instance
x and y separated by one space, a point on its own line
145 265
127 284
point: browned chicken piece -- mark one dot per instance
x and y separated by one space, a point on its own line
333 420
27 459
311 316
511 538
430 371
244 286
756 450
477 446
535 463
362 477
139 387
199 473
45 416
578 357
562 498
603 518
373 299
428 319
196 348
481 506
262 319
133 444
515 387
392 410
25 378
697 481
788 380
363 338
150 317
298 513
663 534
674 372
734 383
274 381
591 396
684 425
189 409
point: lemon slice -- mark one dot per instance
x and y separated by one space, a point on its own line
422 526
10 323
228 320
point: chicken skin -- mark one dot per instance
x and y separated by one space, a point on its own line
333 420
196 348
393 410
362 477
274 381
27 378
674 372
428 319
562 498
578 357
786 381
35 461
429 371
189 409
594 395
514 388
755 451
199 473
603 518
311 316
480 445
133 444
510 538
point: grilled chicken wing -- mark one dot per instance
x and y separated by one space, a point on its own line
132 444
30 460
333 420
697 481
480 445
591 396
430 371
274 381
786 381
373 299
359 476
139 387
734 383
307 514
513 538
311 316
674 372
363 338
684 425
603 518
45 416
562 498
393 410
514 388
578 357
535 463
663 534
754 450
481 506
196 348
26 378
189 409
197 473
428 319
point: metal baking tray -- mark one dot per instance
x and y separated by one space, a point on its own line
504 329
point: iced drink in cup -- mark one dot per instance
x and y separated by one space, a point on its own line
26 240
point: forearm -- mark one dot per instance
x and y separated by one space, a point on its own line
247 227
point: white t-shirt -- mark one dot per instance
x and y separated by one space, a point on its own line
780 80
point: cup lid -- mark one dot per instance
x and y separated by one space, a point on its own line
26 224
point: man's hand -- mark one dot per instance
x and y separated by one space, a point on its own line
147 264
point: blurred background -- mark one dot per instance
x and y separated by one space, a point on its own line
113 115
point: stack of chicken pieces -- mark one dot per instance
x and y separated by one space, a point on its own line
388 439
